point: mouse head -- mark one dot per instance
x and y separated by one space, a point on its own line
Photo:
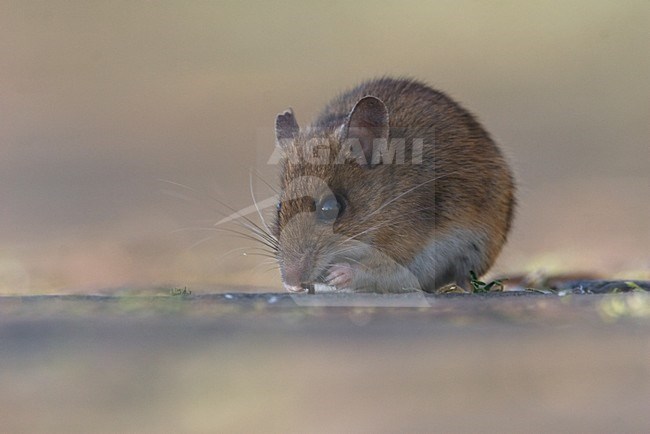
328 187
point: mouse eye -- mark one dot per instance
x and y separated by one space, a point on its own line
330 207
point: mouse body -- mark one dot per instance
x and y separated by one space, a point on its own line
394 187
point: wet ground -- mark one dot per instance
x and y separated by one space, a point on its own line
571 360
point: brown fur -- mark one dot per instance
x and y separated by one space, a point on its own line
462 185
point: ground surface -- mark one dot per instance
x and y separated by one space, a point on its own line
327 363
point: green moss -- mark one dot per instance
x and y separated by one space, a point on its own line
479 286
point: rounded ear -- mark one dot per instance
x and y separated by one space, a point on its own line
286 127
367 122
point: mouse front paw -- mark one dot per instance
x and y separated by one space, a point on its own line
340 276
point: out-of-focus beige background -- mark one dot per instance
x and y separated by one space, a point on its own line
128 128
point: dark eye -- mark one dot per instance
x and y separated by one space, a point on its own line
330 208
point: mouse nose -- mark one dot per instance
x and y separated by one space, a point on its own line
294 276
295 289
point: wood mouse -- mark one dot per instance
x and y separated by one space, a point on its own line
394 187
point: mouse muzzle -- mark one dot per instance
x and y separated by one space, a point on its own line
295 277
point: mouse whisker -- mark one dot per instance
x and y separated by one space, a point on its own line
258 231
261 178
201 241
257 208
399 196
266 268
252 237
341 252
349 259
229 252
365 231
260 254
258 268
247 223
403 217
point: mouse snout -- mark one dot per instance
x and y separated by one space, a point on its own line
295 276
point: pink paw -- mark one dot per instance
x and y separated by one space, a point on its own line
340 275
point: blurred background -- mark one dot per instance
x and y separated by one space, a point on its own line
127 129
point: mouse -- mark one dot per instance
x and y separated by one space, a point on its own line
394 187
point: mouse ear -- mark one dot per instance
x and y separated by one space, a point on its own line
367 122
286 127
